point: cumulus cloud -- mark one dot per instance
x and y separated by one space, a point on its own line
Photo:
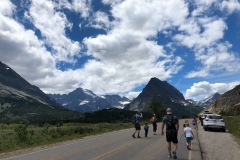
52 25
204 34
230 6
6 8
132 95
83 7
25 53
100 20
204 89
128 51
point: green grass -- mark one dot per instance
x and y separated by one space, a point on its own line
233 126
22 136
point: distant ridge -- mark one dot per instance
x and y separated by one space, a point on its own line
83 100
205 102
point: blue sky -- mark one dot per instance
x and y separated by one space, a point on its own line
116 46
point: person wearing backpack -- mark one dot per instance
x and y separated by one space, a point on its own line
172 126
136 121
153 120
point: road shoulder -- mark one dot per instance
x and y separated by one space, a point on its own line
217 145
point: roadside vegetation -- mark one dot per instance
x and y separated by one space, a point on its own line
23 135
26 134
233 126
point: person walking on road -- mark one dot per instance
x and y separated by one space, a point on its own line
201 120
146 127
194 122
172 126
154 123
136 121
189 136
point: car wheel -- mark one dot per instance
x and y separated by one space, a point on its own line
205 128
224 130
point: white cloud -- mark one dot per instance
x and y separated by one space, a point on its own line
6 8
111 2
82 6
12 35
205 36
204 89
100 20
25 53
137 16
230 6
52 25
215 60
132 95
213 31
126 56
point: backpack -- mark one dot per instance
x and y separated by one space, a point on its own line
134 119
152 119
170 123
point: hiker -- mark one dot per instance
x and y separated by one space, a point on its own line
136 121
172 126
194 122
146 127
184 126
189 136
201 120
154 123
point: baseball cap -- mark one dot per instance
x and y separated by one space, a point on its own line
169 111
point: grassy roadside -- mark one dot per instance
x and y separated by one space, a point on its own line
22 136
233 126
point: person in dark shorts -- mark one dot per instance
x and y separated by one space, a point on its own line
154 123
136 119
172 126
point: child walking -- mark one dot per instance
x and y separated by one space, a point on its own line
146 129
189 136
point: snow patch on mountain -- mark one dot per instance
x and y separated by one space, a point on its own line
83 102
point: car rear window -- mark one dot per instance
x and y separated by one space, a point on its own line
215 117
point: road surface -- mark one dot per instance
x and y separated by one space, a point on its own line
118 145
217 145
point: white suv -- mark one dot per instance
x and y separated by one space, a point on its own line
214 121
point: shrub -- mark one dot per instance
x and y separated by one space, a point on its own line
21 131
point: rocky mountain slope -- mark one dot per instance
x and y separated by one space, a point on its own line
205 102
167 95
21 100
228 102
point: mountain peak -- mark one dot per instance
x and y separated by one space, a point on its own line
165 93
207 101
163 88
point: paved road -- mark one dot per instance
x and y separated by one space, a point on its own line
118 145
217 145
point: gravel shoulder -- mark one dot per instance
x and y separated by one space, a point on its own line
216 145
